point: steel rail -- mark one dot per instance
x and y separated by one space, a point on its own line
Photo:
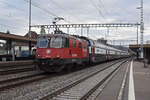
17 70
102 84
69 86
12 83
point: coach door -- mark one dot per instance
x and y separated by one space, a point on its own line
93 54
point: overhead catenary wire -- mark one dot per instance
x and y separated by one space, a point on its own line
103 7
43 9
97 8
55 3
12 27
4 25
11 5
10 15
59 6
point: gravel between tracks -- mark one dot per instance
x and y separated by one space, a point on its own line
38 89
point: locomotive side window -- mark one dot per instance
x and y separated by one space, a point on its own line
42 43
74 44
85 45
65 43
80 45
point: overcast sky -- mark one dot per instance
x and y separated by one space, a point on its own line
14 15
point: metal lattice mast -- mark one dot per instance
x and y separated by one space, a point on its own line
142 29
30 18
137 35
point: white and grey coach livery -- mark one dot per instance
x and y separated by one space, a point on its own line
99 52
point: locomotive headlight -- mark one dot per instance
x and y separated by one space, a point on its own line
38 55
57 56
48 51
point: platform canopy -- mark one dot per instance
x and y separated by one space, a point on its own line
138 46
5 36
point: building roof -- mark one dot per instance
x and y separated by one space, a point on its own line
6 36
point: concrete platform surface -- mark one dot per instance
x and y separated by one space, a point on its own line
141 81
112 89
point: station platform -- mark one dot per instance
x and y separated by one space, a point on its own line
141 78
137 84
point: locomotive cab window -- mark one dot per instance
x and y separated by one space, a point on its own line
58 42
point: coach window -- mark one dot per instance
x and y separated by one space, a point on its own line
74 44
80 45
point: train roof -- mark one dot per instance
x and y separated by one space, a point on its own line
80 38
62 35
101 45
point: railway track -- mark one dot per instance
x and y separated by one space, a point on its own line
14 82
82 88
12 67
17 70
13 64
54 84
100 89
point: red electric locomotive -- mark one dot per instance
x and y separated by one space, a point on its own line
58 51
55 52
